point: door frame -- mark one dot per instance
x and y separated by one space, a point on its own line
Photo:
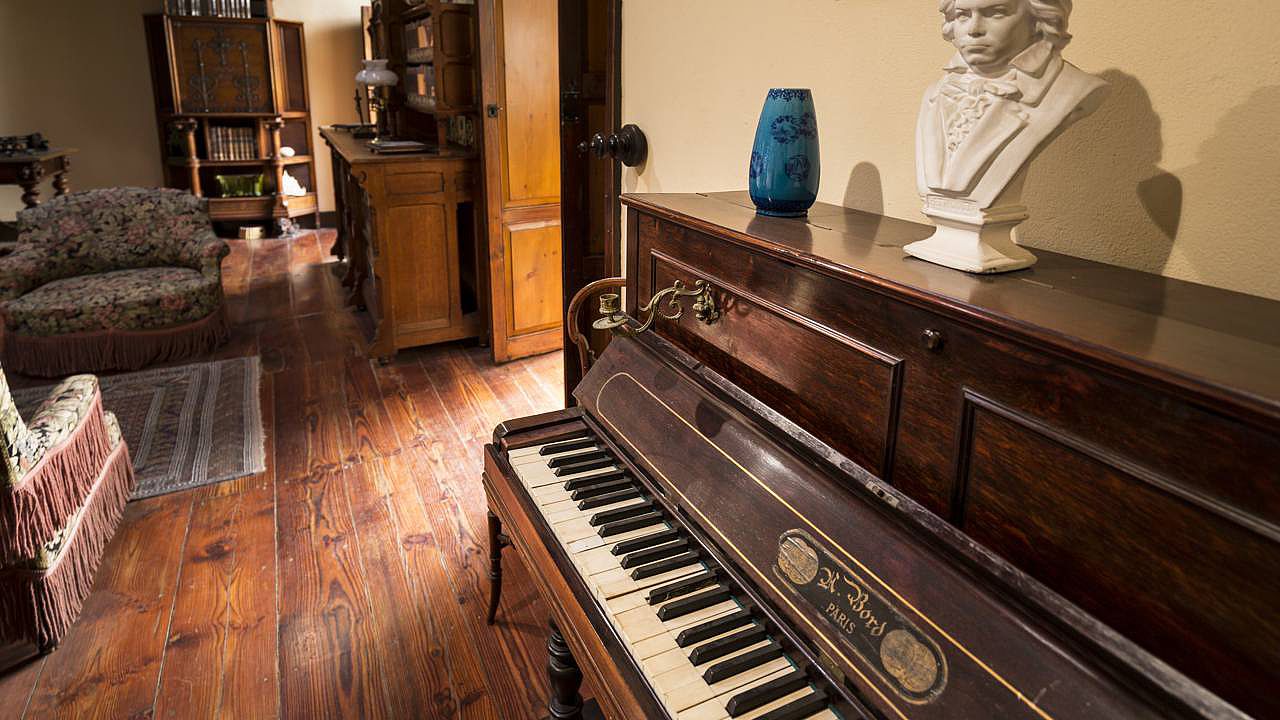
574 250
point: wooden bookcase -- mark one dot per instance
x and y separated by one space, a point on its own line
246 74
432 46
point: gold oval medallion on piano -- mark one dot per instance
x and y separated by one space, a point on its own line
909 661
798 560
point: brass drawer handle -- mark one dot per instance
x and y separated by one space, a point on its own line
704 308
932 340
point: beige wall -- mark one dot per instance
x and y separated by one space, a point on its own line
1177 174
333 59
76 70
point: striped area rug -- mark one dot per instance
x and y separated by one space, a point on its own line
186 426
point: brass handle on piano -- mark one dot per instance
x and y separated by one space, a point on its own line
704 308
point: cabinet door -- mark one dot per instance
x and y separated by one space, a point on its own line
222 66
522 169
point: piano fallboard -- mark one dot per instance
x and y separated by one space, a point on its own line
893 612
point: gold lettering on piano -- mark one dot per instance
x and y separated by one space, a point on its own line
908 660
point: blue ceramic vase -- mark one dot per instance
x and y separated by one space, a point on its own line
784 160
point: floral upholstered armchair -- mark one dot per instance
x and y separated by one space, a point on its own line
112 279
64 481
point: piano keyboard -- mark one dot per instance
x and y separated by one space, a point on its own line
687 625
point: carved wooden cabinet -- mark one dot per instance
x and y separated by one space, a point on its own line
1114 434
229 94
407 227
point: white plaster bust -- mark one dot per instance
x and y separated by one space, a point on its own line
1006 94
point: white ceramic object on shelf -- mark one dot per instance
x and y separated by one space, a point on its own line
375 74
286 151
290 186
1007 94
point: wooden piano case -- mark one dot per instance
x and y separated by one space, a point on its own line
807 530
1113 434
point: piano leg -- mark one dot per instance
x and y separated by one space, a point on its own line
566 678
497 541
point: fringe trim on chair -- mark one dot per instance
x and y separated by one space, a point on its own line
103 350
33 511
40 605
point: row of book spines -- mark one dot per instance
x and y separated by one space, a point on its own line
215 8
233 143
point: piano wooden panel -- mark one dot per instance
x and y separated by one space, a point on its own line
822 374
1123 398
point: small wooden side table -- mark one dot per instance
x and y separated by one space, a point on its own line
29 169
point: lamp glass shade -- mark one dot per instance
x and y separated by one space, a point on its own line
375 74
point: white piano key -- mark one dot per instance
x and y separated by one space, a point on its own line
619 582
596 541
542 476
643 622
675 656
524 452
575 511
598 560
715 708
674 679
574 529
685 697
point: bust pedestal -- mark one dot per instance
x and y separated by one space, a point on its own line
972 239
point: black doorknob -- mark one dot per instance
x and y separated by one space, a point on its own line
628 146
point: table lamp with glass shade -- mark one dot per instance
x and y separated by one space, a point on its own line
375 75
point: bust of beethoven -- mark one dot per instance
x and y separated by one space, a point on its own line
1007 93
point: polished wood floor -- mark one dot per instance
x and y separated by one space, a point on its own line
348 580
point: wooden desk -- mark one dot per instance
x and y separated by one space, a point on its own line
28 170
407 227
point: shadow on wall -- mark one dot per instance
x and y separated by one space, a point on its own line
865 190
1099 191
1235 178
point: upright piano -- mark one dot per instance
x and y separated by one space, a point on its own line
812 478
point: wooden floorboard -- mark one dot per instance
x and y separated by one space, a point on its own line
350 578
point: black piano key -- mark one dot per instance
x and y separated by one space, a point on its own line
640 543
609 499
608 516
693 603
761 695
711 628
601 489
800 709
684 586
579 483
635 523
566 445
726 669
717 649
576 458
684 559
583 466
654 554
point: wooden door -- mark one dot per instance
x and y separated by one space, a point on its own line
590 94
521 80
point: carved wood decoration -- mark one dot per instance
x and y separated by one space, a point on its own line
223 67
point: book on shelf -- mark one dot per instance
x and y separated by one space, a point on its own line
232 143
216 8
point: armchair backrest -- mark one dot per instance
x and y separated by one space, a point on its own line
119 228
13 433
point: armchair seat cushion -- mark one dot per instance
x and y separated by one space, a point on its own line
136 299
